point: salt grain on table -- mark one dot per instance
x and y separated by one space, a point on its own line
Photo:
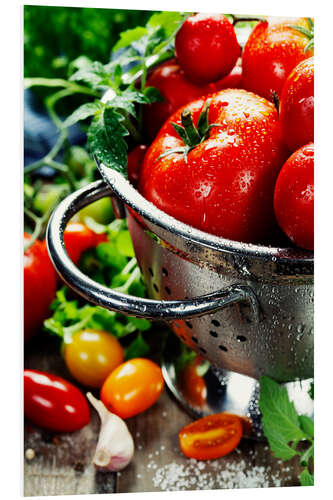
177 477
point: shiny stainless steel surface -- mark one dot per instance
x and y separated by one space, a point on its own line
180 264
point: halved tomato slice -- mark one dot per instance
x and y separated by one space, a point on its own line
211 437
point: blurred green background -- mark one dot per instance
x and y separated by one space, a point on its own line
53 36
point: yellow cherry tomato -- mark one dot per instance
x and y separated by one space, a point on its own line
92 355
132 387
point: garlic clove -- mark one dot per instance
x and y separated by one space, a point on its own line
115 446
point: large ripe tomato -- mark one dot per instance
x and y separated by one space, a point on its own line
132 387
211 437
92 355
294 197
226 185
207 47
40 281
297 106
78 237
176 91
271 52
52 402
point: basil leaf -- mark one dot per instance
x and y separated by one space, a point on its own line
279 419
306 479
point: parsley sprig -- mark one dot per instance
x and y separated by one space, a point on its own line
119 113
284 428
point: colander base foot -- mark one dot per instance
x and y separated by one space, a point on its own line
234 393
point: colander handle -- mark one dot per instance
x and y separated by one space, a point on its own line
116 301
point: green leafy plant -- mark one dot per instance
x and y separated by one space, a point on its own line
112 264
284 428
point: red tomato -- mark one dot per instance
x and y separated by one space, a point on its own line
132 387
193 386
206 47
211 437
231 81
297 105
78 237
294 197
40 281
53 403
176 91
272 50
134 162
226 186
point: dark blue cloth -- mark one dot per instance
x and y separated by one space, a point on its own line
40 133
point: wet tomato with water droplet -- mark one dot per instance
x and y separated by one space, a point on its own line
297 106
271 52
206 47
294 197
225 184
211 437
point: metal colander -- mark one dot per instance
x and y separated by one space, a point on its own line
246 308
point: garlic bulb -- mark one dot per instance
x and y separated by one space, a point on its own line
115 446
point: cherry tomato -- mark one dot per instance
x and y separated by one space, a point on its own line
78 237
193 386
132 387
294 197
206 47
40 282
92 355
211 437
134 162
52 402
176 91
226 185
272 50
297 105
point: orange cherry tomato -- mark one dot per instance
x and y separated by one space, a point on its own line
92 356
211 437
192 385
78 237
132 387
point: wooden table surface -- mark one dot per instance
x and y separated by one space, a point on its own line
62 462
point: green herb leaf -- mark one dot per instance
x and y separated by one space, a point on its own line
153 94
307 425
138 348
307 455
129 36
169 21
279 419
306 479
106 140
83 112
